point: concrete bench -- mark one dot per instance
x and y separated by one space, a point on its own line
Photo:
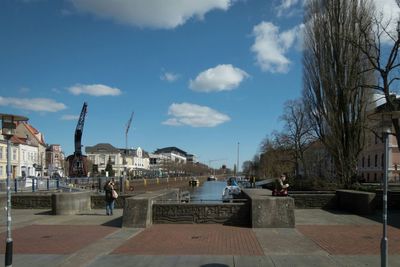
358 202
138 210
268 211
70 203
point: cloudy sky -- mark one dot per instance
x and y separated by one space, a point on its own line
201 75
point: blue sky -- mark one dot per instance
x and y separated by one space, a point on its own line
198 75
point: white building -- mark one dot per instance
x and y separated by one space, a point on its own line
137 161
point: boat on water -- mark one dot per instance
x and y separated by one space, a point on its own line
194 182
232 190
212 178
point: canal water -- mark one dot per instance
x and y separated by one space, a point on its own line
209 191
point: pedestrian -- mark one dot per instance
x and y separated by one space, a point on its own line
281 187
108 188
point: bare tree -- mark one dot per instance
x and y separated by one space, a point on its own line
333 72
299 132
380 46
276 157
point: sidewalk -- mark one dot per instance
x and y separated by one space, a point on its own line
320 238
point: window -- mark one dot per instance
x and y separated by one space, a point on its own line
369 161
363 162
112 160
102 159
14 154
382 160
376 139
376 160
375 178
1 152
1 170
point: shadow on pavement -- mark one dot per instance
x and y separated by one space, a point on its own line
47 212
214 265
117 222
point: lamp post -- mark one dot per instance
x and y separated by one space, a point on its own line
237 160
8 130
385 119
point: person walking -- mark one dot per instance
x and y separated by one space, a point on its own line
110 199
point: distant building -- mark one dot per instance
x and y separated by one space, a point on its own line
33 137
55 160
175 154
136 160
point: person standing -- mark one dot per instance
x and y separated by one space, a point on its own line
108 188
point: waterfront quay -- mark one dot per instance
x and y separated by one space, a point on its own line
320 238
312 237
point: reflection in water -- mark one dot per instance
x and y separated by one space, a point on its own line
210 191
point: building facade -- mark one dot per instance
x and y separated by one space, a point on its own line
135 162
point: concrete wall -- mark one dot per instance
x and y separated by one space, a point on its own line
31 201
224 213
314 200
358 202
70 203
138 209
268 211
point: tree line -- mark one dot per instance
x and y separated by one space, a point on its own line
350 55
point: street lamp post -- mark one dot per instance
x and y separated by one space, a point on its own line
8 130
385 119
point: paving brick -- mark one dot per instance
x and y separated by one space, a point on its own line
55 239
193 239
351 239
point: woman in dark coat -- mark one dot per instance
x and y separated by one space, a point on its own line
108 188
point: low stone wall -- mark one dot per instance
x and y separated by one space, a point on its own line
358 202
31 200
393 199
70 203
138 209
99 202
268 211
224 213
314 200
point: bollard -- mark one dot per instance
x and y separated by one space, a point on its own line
58 183
33 185
15 185
158 181
144 182
99 181
48 184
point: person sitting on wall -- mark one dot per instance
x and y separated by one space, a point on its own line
281 188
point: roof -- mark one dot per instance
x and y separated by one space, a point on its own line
102 148
38 136
170 149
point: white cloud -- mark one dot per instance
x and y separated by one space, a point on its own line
70 117
220 78
271 46
161 14
389 11
169 77
289 7
194 115
94 89
33 104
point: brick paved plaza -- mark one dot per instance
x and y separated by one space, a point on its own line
320 238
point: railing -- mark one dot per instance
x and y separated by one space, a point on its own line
32 184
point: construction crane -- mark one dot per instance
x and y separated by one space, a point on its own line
78 162
128 125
